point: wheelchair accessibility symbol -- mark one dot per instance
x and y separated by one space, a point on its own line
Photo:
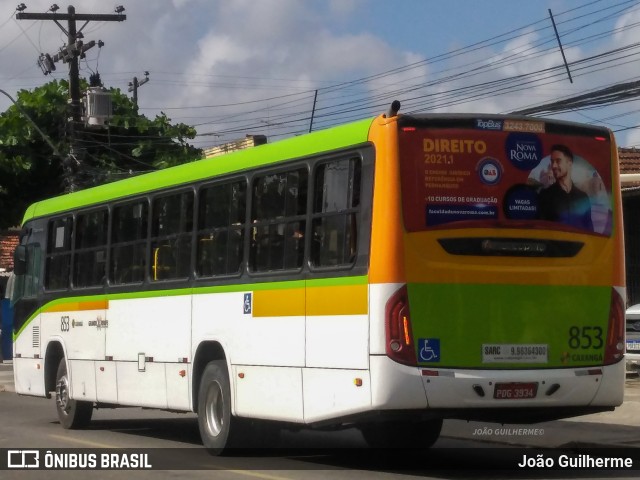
429 349
246 304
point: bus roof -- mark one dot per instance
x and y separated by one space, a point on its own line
321 141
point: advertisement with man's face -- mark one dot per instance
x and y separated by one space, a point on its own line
505 173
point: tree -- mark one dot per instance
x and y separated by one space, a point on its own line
132 144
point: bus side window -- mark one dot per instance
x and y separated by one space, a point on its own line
27 284
90 254
58 258
335 216
128 243
221 220
278 216
171 227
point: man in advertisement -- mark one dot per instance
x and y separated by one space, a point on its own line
563 201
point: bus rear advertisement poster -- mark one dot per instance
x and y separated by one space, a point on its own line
486 176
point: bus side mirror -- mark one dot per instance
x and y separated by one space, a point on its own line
20 260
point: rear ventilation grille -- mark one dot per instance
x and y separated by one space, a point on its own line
36 337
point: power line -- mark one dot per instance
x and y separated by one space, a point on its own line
481 69
70 54
606 96
465 83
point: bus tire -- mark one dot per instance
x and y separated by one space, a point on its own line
402 434
73 414
218 427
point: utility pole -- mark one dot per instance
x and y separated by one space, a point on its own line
564 59
70 54
133 87
313 111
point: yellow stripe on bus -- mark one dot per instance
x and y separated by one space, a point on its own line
329 300
79 306
338 300
287 302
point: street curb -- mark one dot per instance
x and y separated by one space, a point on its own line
7 388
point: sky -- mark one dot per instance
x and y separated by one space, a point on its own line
237 67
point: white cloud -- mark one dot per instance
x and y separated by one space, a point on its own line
623 33
180 3
212 52
345 7
633 139
279 51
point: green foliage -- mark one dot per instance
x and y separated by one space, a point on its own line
29 170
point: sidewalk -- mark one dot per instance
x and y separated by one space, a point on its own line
6 376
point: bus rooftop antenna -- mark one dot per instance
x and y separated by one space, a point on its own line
393 109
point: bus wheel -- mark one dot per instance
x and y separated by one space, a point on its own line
71 413
217 426
422 434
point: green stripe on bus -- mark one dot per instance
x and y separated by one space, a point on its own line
318 142
338 281
325 282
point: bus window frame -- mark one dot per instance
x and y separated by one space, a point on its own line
48 254
142 199
212 183
285 167
105 246
356 212
152 197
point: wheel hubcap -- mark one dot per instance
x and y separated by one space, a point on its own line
214 409
62 394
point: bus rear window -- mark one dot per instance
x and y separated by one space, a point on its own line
498 177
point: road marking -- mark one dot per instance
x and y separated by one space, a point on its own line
257 475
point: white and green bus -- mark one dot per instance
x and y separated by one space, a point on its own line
385 274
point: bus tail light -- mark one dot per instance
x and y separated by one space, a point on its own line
614 349
398 336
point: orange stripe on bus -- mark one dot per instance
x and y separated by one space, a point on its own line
386 265
79 306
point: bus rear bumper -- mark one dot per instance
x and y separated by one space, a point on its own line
599 386
397 386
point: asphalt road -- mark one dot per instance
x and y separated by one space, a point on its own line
31 423
620 428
